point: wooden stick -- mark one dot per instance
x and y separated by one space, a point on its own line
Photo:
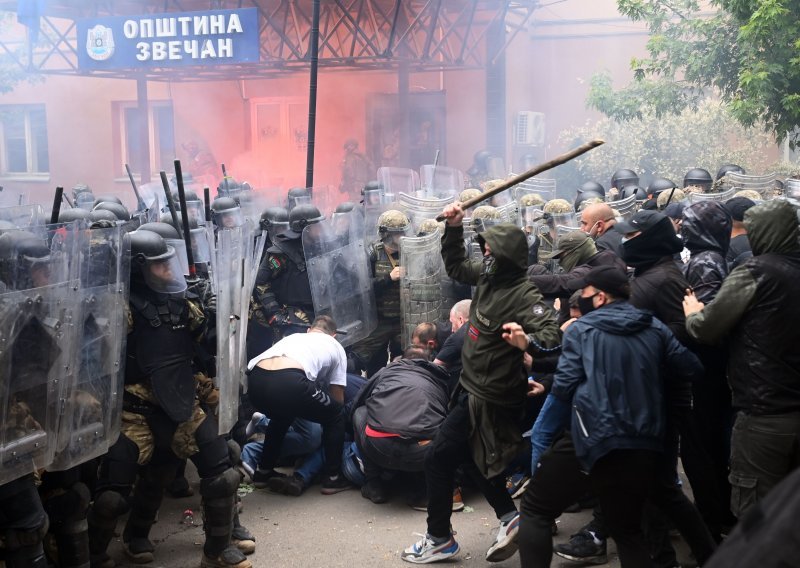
536 170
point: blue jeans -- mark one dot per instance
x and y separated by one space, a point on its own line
304 437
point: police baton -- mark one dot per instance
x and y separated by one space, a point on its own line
187 234
56 206
139 201
171 203
536 170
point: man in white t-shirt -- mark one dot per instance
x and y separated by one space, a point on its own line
302 376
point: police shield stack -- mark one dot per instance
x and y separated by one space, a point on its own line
237 255
339 275
38 345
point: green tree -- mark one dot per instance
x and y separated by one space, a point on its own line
747 52
666 146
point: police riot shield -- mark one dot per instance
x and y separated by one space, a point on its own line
546 188
90 419
509 212
419 209
440 181
765 184
23 216
339 275
231 322
39 309
422 274
625 207
792 189
723 196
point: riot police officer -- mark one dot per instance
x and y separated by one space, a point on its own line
282 292
370 354
162 420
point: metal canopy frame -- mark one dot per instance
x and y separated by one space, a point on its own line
420 35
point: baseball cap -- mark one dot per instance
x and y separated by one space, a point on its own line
736 206
674 210
640 221
568 243
606 278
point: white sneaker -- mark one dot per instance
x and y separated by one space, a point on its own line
426 551
505 545
251 426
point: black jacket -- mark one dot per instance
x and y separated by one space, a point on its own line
408 397
757 311
611 369
706 232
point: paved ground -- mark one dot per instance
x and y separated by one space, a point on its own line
342 530
345 530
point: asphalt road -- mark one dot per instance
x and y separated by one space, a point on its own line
342 530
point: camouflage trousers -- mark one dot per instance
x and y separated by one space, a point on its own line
372 350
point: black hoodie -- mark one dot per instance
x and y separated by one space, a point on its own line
706 232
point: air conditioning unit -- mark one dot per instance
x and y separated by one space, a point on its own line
529 128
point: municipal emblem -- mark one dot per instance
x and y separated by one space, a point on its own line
100 43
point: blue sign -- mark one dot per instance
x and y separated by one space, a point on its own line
177 39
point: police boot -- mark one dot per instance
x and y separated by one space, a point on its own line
68 525
219 500
145 503
102 521
242 538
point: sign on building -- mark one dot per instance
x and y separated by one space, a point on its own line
177 39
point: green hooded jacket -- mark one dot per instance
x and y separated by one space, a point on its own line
493 373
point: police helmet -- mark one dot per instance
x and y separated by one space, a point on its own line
273 216
77 214
699 177
624 177
592 187
117 209
97 215
303 215
157 262
557 207
393 221
728 168
658 185
585 198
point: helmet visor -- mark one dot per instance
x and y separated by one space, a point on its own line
180 251
229 218
165 274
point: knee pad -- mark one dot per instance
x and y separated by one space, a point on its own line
235 451
22 539
70 504
222 485
109 505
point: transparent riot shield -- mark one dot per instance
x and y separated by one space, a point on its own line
422 274
509 213
90 421
419 209
722 197
339 275
396 180
625 207
231 322
441 181
792 189
765 184
546 188
35 364
23 216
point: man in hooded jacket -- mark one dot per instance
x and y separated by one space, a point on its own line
756 312
706 233
482 431
577 254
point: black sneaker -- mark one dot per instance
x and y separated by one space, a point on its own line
261 477
583 548
139 550
332 485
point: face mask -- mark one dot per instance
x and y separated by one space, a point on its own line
590 231
585 305
489 265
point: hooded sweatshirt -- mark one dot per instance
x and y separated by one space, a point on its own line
610 371
492 372
757 310
706 232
